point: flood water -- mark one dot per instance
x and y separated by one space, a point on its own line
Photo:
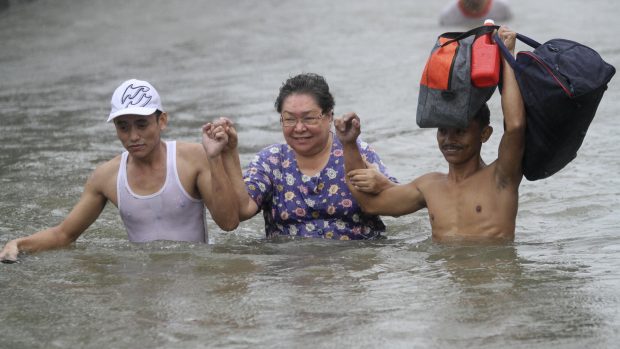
556 286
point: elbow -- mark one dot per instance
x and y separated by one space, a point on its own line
229 223
368 209
515 119
365 201
247 210
515 126
245 216
230 226
63 237
226 222
371 212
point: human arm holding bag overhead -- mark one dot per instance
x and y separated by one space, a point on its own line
512 145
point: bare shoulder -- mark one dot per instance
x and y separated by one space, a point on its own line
103 179
106 170
429 179
423 183
191 155
190 150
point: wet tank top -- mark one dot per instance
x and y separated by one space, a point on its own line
169 214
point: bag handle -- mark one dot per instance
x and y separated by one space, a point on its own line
509 57
530 42
476 31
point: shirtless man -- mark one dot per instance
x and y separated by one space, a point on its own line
160 187
473 201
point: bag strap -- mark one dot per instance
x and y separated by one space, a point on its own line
476 31
506 53
530 42
509 57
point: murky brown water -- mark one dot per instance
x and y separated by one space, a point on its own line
556 286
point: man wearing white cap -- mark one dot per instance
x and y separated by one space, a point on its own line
160 187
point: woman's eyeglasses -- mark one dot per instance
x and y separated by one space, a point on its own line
289 120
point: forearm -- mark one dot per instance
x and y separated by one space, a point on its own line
512 101
512 144
353 161
387 184
225 211
366 201
384 183
232 166
44 240
396 200
352 157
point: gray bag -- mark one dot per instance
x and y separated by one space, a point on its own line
447 97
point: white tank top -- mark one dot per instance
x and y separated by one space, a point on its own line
169 214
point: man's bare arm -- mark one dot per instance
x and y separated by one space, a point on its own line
348 128
232 165
83 214
214 183
395 200
512 145
370 180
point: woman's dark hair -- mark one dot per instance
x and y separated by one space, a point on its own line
307 83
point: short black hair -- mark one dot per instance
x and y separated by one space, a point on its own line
483 116
309 83
157 114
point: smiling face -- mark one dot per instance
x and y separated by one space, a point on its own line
140 134
305 139
459 145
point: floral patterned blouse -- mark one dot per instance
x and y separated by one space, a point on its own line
319 206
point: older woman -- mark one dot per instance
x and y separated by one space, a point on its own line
300 185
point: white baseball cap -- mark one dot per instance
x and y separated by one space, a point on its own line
136 97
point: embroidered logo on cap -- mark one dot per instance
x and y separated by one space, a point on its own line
136 96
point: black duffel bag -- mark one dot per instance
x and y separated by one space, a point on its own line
562 83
